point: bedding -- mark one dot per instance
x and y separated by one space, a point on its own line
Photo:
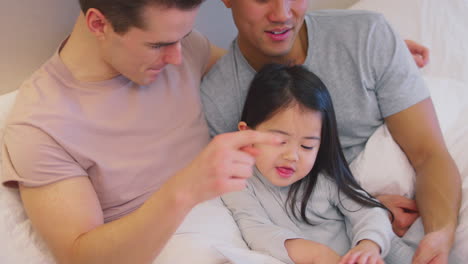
210 235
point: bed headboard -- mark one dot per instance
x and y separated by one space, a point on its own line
31 31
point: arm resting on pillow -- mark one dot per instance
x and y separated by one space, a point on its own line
438 184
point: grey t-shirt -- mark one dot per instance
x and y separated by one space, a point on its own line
366 67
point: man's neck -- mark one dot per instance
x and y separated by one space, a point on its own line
82 57
296 56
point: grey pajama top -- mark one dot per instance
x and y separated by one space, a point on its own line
262 217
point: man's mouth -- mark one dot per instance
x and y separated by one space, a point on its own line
279 34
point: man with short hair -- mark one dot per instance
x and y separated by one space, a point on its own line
107 141
372 80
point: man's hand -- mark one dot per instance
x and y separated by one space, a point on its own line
420 53
404 210
434 248
223 166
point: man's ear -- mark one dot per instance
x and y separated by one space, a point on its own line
242 126
97 23
227 3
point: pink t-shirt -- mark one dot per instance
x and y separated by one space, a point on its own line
128 139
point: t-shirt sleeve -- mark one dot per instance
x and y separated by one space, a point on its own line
33 158
260 233
197 49
398 82
362 222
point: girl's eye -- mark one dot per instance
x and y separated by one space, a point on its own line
156 46
306 147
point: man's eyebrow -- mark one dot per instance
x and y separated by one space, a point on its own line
162 44
287 134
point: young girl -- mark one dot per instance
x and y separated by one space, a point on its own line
303 205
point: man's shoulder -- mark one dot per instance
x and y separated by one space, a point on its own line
344 28
196 51
36 84
344 21
345 15
43 92
223 70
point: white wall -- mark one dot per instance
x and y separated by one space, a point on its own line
215 21
30 32
32 29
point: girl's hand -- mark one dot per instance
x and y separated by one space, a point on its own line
365 252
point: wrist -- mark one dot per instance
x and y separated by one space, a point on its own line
369 245
179 194
446 233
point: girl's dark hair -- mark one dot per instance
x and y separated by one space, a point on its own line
124 14
277 87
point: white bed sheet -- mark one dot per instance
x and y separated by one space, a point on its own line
209 234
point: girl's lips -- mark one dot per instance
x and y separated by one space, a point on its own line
285 172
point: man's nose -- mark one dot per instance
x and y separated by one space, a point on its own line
280 11
173 54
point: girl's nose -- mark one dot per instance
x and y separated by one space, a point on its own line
291 154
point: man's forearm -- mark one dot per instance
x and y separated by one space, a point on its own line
136 238
438 192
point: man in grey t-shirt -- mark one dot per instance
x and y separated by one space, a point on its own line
372 80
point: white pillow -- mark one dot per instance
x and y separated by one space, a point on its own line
382 167
6 103
208 235
214 220
246 256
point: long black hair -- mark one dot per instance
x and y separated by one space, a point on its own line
277 87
